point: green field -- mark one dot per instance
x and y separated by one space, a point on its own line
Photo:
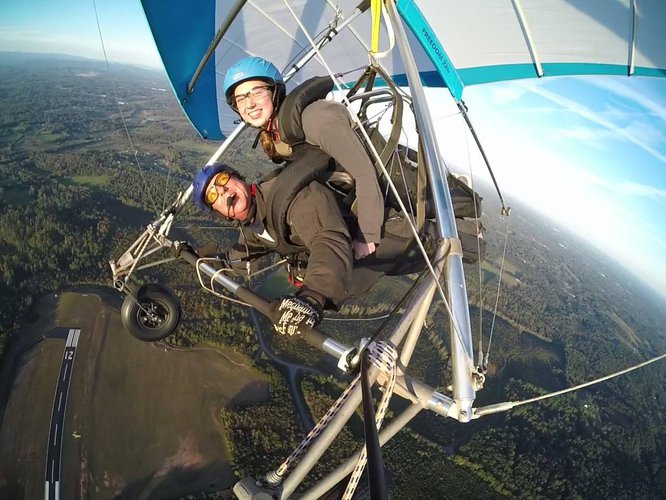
625 333
89 180
508 271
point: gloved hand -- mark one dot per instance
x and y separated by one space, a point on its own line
295 315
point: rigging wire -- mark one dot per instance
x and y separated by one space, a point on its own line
483 359
384 316
330 29
499 407
285 31
497 295
122 115
166 186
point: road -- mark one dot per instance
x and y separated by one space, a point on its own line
54 447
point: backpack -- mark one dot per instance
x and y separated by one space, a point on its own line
467 207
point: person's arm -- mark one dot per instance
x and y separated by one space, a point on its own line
315 221
327 125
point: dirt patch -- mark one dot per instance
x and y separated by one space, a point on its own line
187 456
630 339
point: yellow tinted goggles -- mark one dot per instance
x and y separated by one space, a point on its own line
221 180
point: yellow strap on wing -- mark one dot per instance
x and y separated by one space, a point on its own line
376 9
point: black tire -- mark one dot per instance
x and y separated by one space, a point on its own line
153 315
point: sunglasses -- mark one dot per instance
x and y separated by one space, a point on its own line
221 180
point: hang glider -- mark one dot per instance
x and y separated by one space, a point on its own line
437 43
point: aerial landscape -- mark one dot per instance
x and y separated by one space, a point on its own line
89 155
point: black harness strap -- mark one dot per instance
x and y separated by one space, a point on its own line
290 116
288 182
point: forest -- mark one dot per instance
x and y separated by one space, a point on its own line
77 187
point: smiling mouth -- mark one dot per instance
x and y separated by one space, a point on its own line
231 200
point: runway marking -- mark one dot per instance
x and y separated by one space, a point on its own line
76 337
69 337
46 491
55 435
57 490
60 402
64 375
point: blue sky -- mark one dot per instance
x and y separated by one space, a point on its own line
589 151
70 27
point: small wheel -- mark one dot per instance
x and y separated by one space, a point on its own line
153 315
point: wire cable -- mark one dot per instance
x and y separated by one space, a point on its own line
122 115
500 407
497 295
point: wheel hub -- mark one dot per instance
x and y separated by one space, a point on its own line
152 315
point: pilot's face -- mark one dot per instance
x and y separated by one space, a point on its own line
233 200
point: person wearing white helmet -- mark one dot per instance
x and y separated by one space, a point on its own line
292 124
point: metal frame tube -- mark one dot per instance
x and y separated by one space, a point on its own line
420 296
461 342
419 392
409 388
216 41
325 439
344 469
460 334
425 295
417 326
314 337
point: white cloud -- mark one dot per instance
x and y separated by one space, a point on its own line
625 90
592 136
502 95
631 188
631 133
646 133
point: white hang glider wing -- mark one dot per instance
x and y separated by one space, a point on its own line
455 43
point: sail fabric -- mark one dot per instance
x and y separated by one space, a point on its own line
491 40
455 43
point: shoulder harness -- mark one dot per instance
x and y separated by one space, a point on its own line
290 116
288 182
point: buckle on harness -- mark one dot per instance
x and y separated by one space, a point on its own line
295 272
